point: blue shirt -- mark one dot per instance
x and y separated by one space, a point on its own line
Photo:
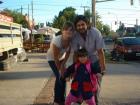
94 41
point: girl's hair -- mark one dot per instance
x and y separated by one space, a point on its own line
67 25
82 52
83 18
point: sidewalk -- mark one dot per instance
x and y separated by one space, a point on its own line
114 89
31 83
46 95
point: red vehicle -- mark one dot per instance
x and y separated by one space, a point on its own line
127 48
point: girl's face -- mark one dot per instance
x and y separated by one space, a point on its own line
83 59
67 33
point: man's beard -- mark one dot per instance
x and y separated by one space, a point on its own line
82 31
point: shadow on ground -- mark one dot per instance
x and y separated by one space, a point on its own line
24 75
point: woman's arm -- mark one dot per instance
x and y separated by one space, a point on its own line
66 56
74 57
70 70
63 62
56 53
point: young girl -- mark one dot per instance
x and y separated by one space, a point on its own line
83 83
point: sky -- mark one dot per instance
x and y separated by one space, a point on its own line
111 11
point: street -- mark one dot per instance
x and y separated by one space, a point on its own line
21 84
24 83
121 84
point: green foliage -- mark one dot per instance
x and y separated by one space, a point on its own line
17 16
106 30
121 30
39 38
68 14
48 24
99 26
88 14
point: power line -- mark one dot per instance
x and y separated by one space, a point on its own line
79 7
85 8
121 9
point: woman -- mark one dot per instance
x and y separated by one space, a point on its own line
57 56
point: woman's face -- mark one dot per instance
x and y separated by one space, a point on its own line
67 33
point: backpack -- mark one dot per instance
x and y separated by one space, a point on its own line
93 77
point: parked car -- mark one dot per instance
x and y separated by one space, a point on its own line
127 48
108 40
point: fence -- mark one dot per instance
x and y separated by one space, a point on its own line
36 47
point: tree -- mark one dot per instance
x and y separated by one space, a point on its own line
48 24
121 29
88 14
106 30
68 14
17 16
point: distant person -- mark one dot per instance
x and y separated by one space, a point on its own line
84 83
57 56
91 39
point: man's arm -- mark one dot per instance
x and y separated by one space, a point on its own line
95 67
101 60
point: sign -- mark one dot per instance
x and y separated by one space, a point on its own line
4 18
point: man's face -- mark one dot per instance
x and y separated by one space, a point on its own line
81 27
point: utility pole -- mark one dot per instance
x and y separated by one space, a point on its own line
94 10
93 13
85 8
131 2
136 22
32 24
28 13
21 9
32 13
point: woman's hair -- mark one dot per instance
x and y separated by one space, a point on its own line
58 33
81 52
83 18
68 25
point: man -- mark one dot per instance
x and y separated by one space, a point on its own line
91 39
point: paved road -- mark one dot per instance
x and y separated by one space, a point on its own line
121 84
21 85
